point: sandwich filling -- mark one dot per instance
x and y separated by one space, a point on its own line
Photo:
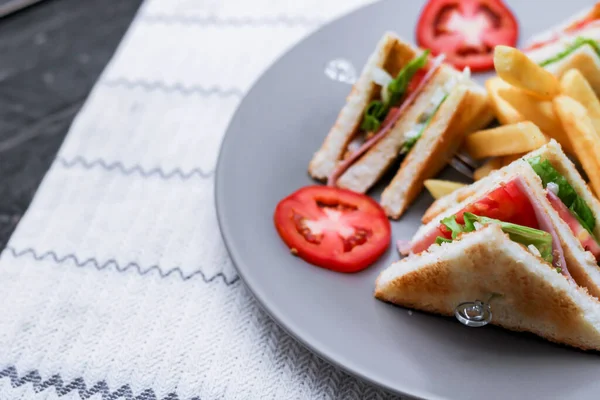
570 49
396 96
515 208
574 28
571 208
537 241
393 91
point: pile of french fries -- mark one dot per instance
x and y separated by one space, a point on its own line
532 106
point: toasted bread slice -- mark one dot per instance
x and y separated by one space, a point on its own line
434 149
485 116
585 58
472 105
391 54
581 263
534 297
366 171
587 14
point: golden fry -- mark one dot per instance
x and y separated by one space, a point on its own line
574 85
586 142
504 111
509 159
540 112
514 67
487 168
505 140
440 188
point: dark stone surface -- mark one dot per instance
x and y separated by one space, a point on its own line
52 53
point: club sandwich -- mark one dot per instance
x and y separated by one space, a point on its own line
405 106
528 233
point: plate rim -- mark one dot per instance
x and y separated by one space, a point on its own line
285 323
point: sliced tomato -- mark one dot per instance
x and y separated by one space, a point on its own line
506 203
333 228
588 242
467 31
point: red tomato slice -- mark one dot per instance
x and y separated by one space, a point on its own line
506 203
333 228
467 31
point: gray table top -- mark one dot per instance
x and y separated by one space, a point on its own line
52 53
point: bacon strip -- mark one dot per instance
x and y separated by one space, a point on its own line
344 165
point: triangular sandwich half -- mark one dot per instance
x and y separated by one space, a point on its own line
527 293
405 104
550 195
571 44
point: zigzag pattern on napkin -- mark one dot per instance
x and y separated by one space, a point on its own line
120 268
134 169
177 87
78 385
211 20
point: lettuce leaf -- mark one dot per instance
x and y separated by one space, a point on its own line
566 193
452 224
398 86
440 240
579 42
374 115
517 233
524 235
377 111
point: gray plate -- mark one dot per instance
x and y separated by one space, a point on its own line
264 157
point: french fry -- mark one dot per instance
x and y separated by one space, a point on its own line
439 188
574 85
505 140
487 168
504 111
509 159
514 67
585 140
483 119
540 112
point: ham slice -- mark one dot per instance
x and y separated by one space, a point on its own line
390 121
404 247
545 224
426 241
588 242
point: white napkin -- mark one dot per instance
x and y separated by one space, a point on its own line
116 284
